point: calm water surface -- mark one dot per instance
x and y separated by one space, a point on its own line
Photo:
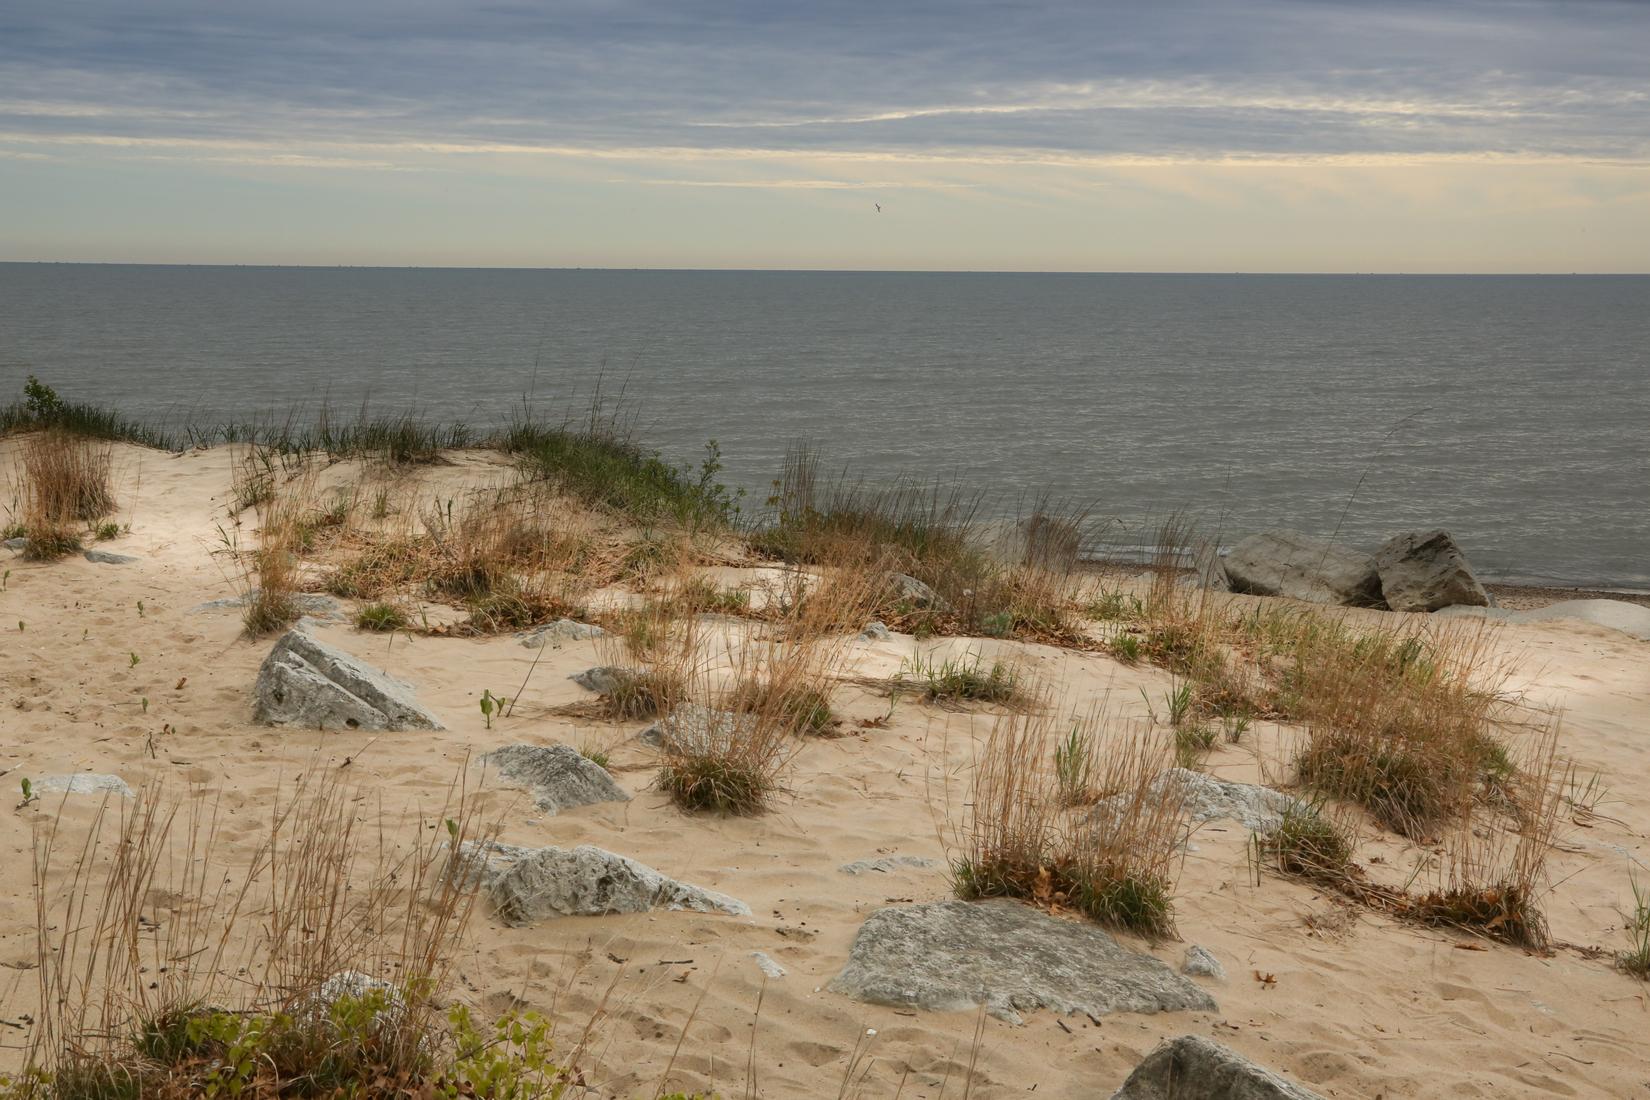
1513 410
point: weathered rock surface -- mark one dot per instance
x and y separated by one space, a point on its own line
765 963
1629 618
1043 541
529 884
108 557
1194 1068
305 682
887 865
692 728
560 632
1200 962
19 544
876 631
1425 570
559 777
310 603
1206 798
914 593
1210 569
1288 563
81 783
605 679
953 955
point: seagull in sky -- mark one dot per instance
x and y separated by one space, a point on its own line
879 207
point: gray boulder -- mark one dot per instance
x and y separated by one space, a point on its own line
876 631
530 884
1425 570
559 777
81 783
1194 1068
954 955
305 682
106 557
908 590
559 632
19 544
1288 563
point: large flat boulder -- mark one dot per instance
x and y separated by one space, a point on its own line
559 777
532 884
1204 798
954 955
1194 1068
1288 563
1424 571
305 682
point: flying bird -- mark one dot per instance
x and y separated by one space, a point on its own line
879 207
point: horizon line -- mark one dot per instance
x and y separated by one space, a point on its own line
822 270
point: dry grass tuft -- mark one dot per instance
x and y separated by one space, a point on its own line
1067 815
313 969
63 484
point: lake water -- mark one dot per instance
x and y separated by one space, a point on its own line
1514 411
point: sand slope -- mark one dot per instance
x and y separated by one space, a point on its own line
1360 1006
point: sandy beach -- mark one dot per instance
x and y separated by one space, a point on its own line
118 669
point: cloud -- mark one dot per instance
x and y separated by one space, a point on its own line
1275 81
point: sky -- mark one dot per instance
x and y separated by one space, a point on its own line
1268 135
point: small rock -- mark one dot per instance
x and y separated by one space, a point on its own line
529 884
388 1004
1425 570
82 783
1200 963
106 557
1194 1068
876 631
562 630
605 679
692 728
1206 798
305 682
887 864
1288 563
954 955
559 777
908 590
766 964
18 544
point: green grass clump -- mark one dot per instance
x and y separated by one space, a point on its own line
641 693
1305 844
381 618
964 678
716 783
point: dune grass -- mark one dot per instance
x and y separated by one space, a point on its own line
1065 814
62 487
316 966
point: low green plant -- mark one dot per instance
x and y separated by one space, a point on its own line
1636 959
1126 647
381 618
1307 844
491 704
1074 765
965 677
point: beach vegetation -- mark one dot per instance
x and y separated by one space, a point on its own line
1636 959
1071 817
381 618
966 677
